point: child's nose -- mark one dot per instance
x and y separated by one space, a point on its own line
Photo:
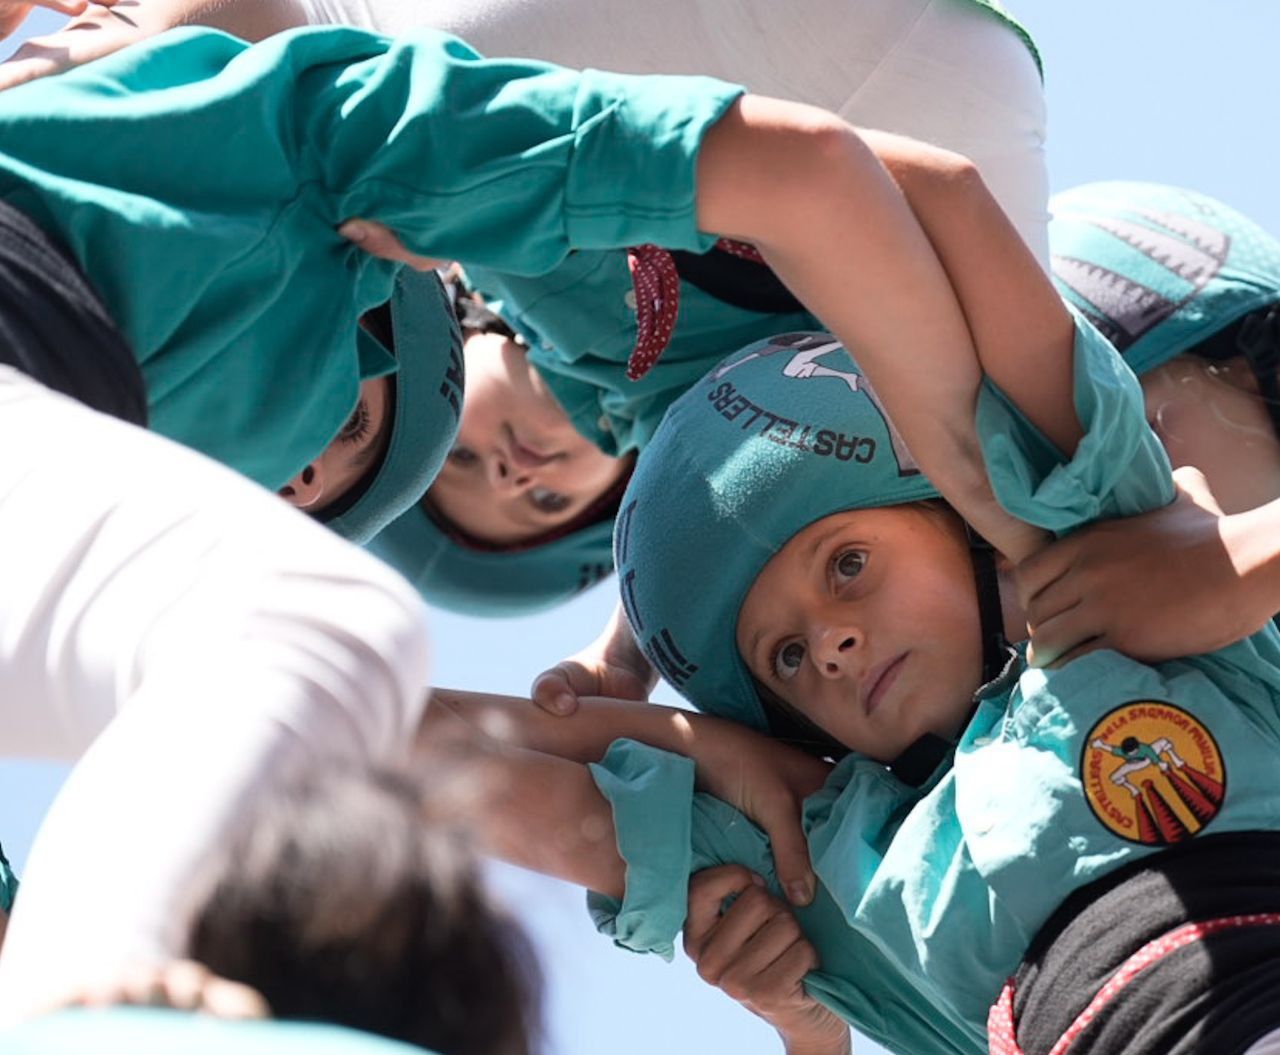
834 649
505 477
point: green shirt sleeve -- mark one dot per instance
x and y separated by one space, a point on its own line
1118 468
199 181
651 794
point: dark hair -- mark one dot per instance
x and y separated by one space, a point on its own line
340 902
474 316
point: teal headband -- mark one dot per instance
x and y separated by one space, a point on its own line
1158 269
784 432
449 574
428 404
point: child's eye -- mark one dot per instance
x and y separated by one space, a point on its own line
547 501
463 456
357 426
849 563
787 660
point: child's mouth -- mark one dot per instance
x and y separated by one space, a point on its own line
881 680
525 456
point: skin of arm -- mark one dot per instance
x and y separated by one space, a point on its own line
811 192
1174 582
764 779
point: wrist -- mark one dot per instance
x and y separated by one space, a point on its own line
1249 537
817 1032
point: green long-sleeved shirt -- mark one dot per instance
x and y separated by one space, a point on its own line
198 181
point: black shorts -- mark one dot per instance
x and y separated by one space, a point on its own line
54 328
1214 993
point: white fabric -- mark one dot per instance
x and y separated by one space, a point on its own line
199 639
1268 1045
943 71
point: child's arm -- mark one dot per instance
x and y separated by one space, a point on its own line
903 253
763 778
528 808
930 287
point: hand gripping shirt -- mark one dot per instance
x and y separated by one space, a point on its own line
198 182
1052 785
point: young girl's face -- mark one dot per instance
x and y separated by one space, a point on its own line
518 468
867 623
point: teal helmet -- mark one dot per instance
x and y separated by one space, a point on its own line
466 575
784 432
427 407
161 1031
1157 269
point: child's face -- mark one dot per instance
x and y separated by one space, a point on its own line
867 623
519 468
358 447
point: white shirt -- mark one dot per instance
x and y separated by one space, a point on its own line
192 637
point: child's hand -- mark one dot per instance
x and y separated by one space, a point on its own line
1165 584
768 781
382 242
612 665
182 985
756 953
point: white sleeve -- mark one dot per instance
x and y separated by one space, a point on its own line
388 18
199 639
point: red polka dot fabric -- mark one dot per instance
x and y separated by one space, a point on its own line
657 290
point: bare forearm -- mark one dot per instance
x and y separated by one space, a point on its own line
1251 540
581 737
843 236
832 1038
528 808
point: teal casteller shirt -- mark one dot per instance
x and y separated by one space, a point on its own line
930 896
198 182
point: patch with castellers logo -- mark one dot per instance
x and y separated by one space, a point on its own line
1152 773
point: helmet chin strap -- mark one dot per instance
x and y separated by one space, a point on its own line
919 761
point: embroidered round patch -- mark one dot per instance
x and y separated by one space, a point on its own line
1152 773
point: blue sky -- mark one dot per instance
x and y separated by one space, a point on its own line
1179 91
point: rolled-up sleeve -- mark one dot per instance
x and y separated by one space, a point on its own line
651 793
1118 467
